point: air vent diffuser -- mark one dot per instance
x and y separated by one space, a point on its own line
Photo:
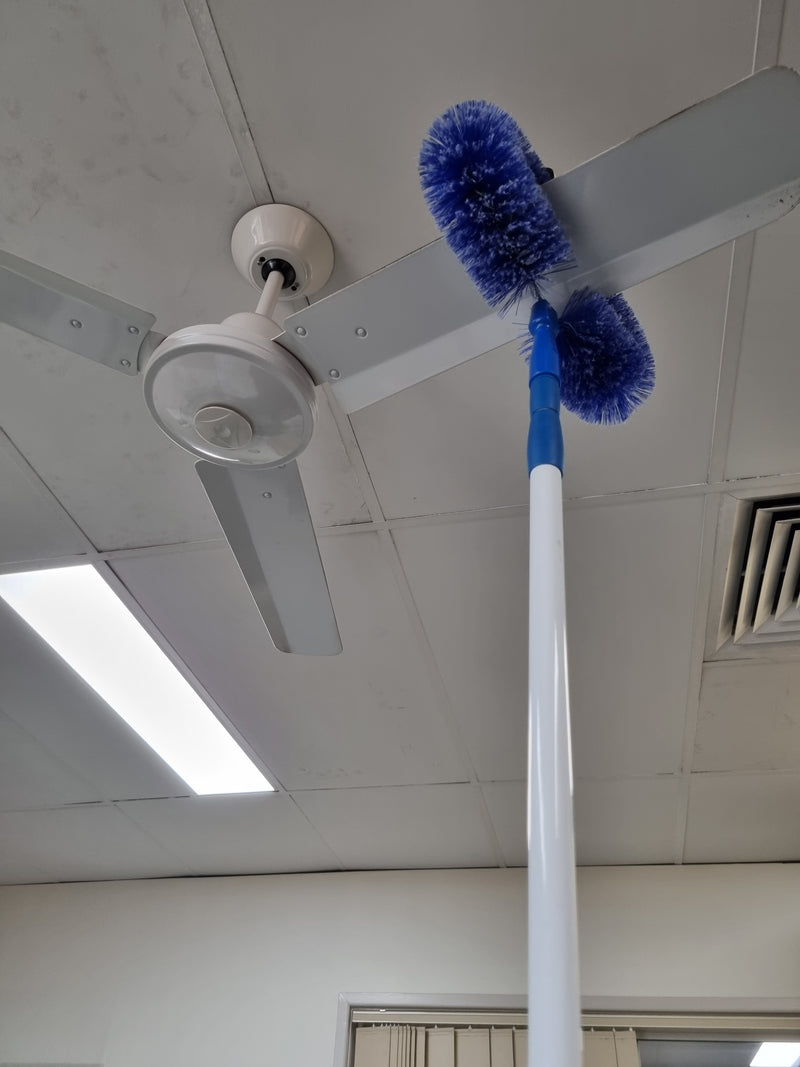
761 601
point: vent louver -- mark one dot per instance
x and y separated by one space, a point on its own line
761 602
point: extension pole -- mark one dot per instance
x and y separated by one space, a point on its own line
554 1035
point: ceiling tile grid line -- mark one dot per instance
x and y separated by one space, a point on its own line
389 548
769 33
766 52
443 702
733 329
766 47
202 21
704 580
305 817
45 493
783 483
352 448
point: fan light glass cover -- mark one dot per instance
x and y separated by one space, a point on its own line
231 396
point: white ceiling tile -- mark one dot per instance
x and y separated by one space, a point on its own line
457 442
31 777
33 527
45 697
416 826
743 818
748 718
469 582
631 603
346 140
84 843
631 587
233 835
330 482
368 716
630 820
764 437
506 802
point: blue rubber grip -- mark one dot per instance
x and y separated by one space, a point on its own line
545 440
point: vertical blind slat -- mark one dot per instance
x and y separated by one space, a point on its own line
520 1048
627 1048
372 1047
420 1056
599 1050
501 1047
419 1046
472 1048
440 1049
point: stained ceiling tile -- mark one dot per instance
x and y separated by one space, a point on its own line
233 835
117 169
346 141
457 442
743 818
416 826
748 718
366 717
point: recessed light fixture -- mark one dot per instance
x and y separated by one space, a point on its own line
82 619
777 1054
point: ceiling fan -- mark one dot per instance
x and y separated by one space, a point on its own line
240 395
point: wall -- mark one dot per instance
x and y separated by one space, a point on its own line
247 971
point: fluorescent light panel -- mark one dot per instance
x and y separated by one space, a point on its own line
777 1054
82 619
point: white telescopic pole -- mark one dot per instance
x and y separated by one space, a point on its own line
554 1035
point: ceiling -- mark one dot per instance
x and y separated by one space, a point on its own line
132 138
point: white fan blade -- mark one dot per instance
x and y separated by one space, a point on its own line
265 518
709 174
72 315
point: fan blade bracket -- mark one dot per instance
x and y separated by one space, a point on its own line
73 316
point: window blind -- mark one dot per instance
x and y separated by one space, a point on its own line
475 1046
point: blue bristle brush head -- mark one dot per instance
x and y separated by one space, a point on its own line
481 179
607 368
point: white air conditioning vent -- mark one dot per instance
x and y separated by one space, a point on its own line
761 598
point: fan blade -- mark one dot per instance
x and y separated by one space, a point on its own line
707 175
72 315
265 518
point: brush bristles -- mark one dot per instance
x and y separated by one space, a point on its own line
607 368
480 178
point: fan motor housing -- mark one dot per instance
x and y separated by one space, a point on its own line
228 394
